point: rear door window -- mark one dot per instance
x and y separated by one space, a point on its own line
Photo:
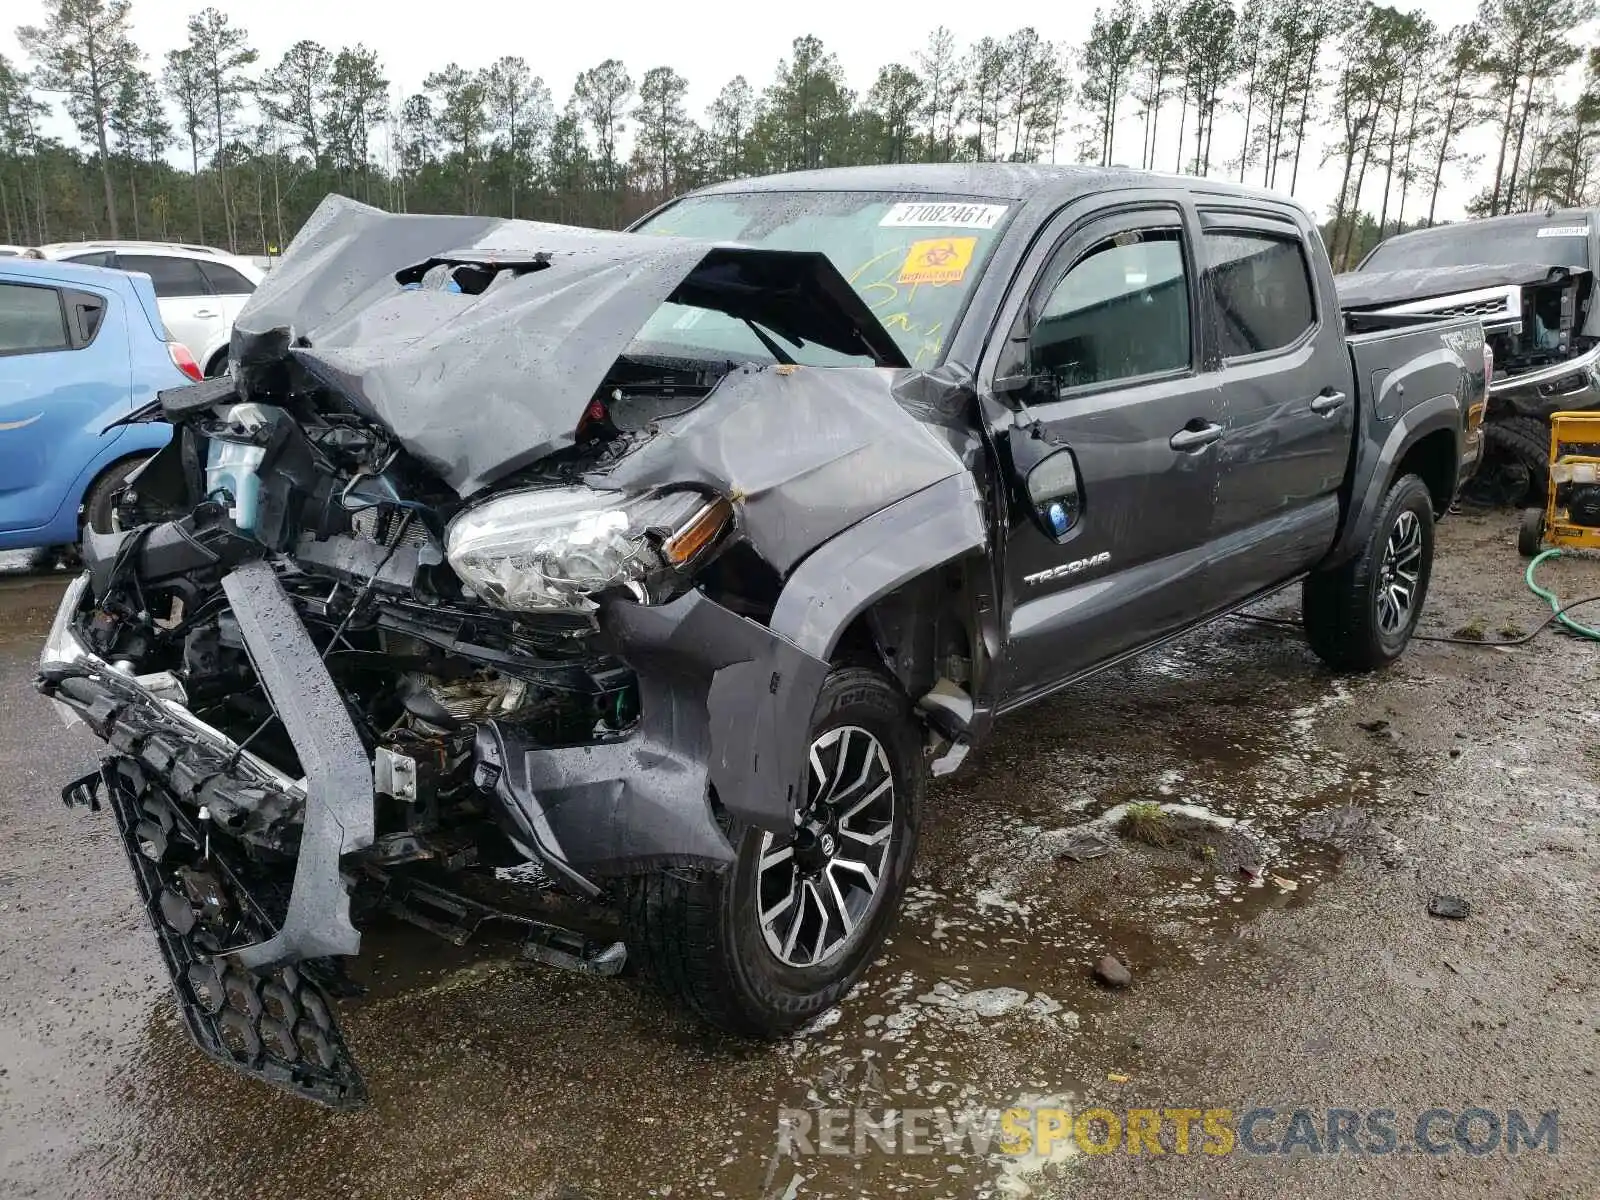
224 280
172 276
31 320
100 258
1261 285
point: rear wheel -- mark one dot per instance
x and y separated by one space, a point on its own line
1361 615
100 501
784 933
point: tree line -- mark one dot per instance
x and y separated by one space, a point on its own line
212 143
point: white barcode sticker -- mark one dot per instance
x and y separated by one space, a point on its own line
943 215
1563 231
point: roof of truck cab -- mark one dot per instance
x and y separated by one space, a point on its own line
985 180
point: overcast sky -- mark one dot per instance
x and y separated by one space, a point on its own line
708 41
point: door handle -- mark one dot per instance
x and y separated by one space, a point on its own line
1328 402
1195 439
206 312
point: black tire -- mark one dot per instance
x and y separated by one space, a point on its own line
699 935
1525 441
218 364
1530 532
100 501
1341 608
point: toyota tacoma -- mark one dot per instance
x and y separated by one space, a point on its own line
625 588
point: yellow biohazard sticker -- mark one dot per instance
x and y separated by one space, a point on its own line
938 260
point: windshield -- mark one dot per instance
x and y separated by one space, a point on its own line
912 258
1562 243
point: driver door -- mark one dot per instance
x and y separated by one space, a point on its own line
1112 452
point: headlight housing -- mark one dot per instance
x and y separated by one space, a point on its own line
552 549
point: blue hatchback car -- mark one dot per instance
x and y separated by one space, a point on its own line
80 348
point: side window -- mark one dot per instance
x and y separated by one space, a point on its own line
101 258
224 280
31 320
172 276
1121 312
85 314
1262 286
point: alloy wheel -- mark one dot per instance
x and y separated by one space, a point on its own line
815 887
1399 574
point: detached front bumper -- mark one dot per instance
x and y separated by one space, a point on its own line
227 930
319 819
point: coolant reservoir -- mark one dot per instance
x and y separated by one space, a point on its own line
231 465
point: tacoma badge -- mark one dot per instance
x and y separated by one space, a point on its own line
1076 567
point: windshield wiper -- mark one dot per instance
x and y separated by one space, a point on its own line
777 351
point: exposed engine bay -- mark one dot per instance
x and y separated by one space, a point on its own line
379 655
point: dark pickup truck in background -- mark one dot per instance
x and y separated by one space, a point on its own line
627 587
1530 278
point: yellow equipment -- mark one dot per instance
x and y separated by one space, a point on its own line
1571 512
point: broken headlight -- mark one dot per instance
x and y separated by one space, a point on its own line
555 548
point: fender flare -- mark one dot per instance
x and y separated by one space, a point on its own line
846 575
1377 467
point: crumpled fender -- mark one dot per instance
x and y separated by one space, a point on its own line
909 538
726 702
758 694
807 454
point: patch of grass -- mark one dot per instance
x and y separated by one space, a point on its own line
1511 631
1472 631
1148 823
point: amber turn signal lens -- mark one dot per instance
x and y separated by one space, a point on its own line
698 532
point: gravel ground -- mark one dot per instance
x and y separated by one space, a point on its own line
1286 961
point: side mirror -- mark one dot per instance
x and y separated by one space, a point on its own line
1054 493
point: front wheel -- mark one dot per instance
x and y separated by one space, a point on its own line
1360 616
785 933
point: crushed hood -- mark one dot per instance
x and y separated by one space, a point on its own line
477 383
1375 289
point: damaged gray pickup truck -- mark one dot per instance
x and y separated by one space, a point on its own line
624 589
1529 277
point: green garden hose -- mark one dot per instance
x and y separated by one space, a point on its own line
1557 608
